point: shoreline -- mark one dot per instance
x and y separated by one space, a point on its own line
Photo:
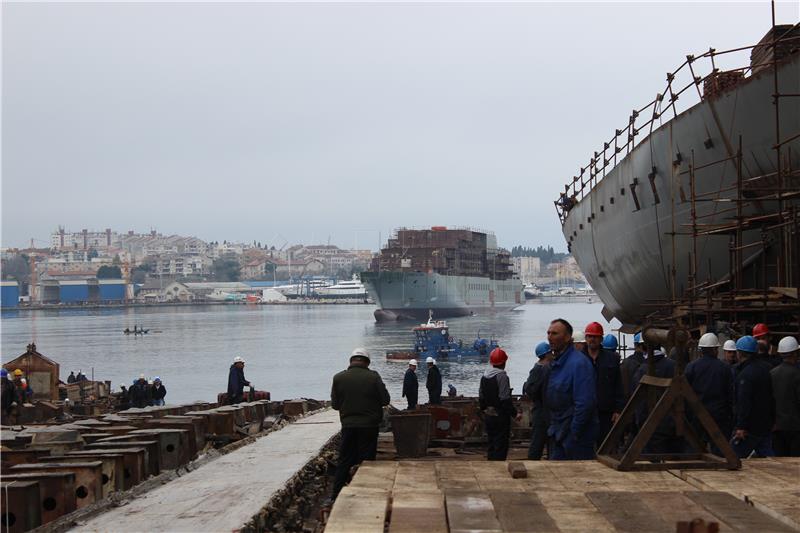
45 307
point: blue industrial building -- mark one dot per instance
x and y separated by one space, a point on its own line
82 291
112 290
9 294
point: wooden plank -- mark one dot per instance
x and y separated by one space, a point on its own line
358 511
415 511
522 512
627 512
573 512
782 506
456 476
674 507
740 483
417 475
470 511
738 514
517 470
375 474
787 472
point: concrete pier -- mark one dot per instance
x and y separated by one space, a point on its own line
225 493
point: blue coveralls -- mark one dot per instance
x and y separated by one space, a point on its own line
712 381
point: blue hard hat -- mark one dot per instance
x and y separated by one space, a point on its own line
747 344
3 373
542 349
610 342
637 339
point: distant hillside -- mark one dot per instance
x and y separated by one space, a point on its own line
547 255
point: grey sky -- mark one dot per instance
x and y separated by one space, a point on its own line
253 121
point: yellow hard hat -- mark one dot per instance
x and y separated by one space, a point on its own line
18 372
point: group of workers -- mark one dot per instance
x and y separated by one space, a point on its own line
15 390
144 393
579 387
73 378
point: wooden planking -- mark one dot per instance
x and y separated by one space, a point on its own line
628 513
359 510
674 507
456 475
788 472
471 511
738 514
783 506
573 512
522 512
375 475
741 483
416 510
417 475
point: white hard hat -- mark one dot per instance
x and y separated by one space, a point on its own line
579 336
238 359
787 345
360 352
729 346
430 360
709 340
141 376
412 362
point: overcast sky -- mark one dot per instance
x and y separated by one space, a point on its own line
302 122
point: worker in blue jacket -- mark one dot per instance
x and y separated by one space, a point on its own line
712 382
665 438
534 390
570 397
755 404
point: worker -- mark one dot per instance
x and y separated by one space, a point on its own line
81 376
411 385
533 389
631 364
729 349
665 438
19 395
494 399
7 392
608 377
71 378
712 382
579 341
451 391
236 381
359 395
27 391
754 402
570 397
140 393
158 391
786 389
762 335
434 382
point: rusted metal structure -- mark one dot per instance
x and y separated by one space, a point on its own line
40 371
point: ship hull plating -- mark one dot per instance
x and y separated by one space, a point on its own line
410 295
627 253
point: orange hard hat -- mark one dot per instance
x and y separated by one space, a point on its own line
594 328
498 356
759 330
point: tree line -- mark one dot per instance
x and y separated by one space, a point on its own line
547 255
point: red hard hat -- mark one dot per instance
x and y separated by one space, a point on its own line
498 356
759 330
594 328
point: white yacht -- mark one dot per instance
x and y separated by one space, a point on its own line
353 289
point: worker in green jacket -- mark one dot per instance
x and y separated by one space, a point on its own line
359 395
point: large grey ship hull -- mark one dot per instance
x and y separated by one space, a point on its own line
627 254
410 295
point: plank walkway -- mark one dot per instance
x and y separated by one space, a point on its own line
225 493
461 496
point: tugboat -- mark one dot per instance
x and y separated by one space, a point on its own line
432 339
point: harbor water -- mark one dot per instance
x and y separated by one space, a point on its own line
290 350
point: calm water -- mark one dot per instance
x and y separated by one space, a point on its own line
291 351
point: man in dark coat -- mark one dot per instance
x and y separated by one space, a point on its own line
533 389
158 392
140 393
786 387
71 378
665 438
236 381
359 395
411 385
631 364
712 382
755 404
494 399
9 394
434 382
608 379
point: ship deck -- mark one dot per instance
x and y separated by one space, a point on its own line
439 495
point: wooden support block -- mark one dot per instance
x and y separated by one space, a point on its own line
471 510
358 511
418 510
737 513
517 470
522 512
417 475
375 474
